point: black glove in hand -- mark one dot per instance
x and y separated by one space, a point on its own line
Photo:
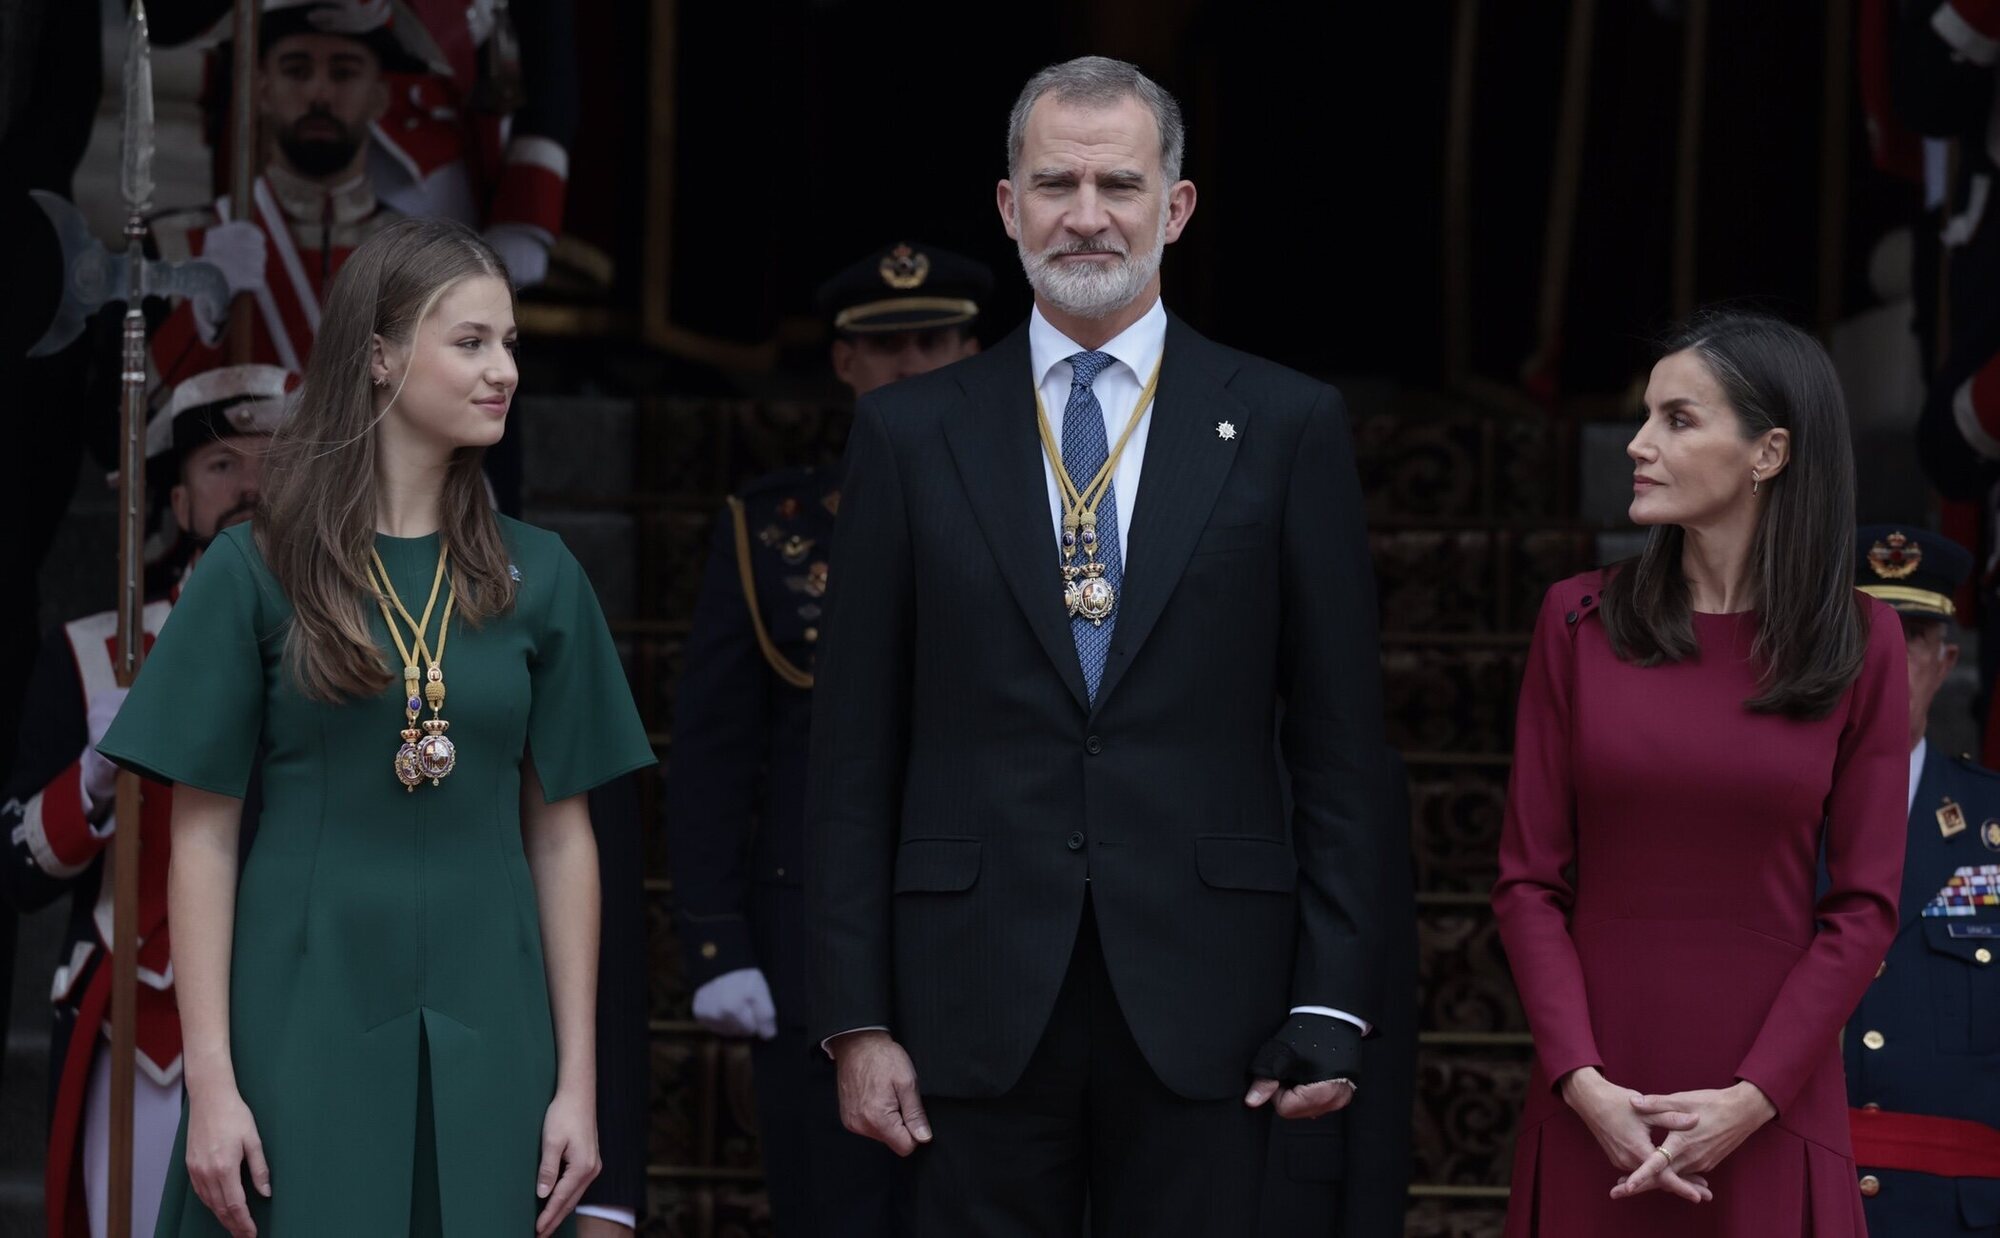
1309 1049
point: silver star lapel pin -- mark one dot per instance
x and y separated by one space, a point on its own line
1225 430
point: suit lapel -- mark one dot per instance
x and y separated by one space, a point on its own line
1186 463
999 456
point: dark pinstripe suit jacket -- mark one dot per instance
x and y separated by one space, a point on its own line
963 786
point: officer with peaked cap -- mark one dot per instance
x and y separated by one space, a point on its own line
1923 1048
735 809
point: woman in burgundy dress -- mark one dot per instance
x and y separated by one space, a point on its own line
1698 728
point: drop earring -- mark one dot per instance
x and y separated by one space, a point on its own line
1755 481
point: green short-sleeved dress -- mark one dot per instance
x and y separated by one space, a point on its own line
384 935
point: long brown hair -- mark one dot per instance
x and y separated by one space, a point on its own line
1811 633
316 527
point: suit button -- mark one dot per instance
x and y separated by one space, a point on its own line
1076 841
1872 1107
1586 599
812 634
1093 745
781 872
708 950
1873 1040
1983 955
1871 1186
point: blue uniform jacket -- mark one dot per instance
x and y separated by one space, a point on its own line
1934 1010
736 771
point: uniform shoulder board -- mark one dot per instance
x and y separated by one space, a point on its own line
1965 762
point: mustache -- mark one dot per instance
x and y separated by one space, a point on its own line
1090 246
245 506
321 118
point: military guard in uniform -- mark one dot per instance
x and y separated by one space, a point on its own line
737 773
481 133
322 85
1923 1048
57 816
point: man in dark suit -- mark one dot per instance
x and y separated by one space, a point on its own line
1066 950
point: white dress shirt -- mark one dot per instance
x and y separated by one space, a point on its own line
1134 352
1916 772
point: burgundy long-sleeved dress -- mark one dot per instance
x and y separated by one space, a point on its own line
1658 870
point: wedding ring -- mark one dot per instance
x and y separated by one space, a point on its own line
1662 1150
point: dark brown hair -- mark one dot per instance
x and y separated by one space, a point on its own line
317 524
1811 632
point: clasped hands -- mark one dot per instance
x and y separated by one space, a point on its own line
1703 1128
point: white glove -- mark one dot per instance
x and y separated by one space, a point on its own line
525 250
237 250
100 776
737 1003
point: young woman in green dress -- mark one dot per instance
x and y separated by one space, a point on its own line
389 1010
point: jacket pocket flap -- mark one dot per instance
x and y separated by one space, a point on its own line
1246 862
1964 944
1979 1202
937 865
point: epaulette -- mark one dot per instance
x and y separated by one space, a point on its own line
1965 762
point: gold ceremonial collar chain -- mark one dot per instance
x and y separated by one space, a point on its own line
1086 592
427 753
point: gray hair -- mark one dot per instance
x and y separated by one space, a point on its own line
1103 82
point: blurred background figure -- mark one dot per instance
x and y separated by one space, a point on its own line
736 799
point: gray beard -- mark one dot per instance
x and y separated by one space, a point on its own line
1090 291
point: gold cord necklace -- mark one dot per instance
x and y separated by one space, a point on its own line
426 753
1085 591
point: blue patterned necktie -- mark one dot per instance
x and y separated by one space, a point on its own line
1084 450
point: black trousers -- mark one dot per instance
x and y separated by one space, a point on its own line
822 1181
1089 1140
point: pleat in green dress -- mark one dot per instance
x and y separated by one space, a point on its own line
383 934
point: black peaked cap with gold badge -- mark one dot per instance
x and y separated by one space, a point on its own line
1915 570
905 287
